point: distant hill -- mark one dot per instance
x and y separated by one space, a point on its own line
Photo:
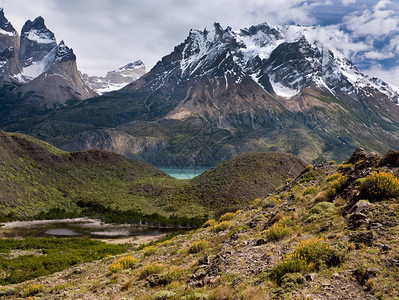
38 179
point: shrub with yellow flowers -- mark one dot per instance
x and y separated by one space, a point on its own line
303 258
227 217
280 229
334 182
126 262
379 186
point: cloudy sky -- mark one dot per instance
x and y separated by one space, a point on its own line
107 34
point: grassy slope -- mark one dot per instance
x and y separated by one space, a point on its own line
36 177
238 266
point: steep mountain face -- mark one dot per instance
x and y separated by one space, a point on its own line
38 48
59 84
9 44
117 79
36 74
223 92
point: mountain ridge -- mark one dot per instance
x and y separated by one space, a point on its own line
224 81
223 92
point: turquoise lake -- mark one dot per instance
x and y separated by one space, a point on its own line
184 173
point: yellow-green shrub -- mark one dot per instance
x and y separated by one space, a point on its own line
197 247
149 250
310 190
378 186
173 273
150 269
309 168
332 162
33 289
334 176
343 166
313 249
227 217
126 262
222 226
279 230
302 258
209 223
291 263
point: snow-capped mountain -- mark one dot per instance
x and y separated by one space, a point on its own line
223 92
40 73
37 49
283 60
117 79
58 84
265 87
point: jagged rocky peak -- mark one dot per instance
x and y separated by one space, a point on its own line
5 26
9 44
64 53
263 29
36 41
116 79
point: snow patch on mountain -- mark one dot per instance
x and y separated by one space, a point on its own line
283 91
4 32
36 68
39 37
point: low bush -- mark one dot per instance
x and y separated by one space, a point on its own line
311 190
309 168
150 269
221 226
209 223
279 230
126 262
291 263
33 289
345 167
379 186
149 250
304 257
197 247
325 208
227 217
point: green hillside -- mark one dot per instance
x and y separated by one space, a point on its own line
40 181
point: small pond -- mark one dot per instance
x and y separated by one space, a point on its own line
184 173
79 227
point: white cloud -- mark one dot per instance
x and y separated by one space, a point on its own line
378 55
382 4
348 2
377 22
